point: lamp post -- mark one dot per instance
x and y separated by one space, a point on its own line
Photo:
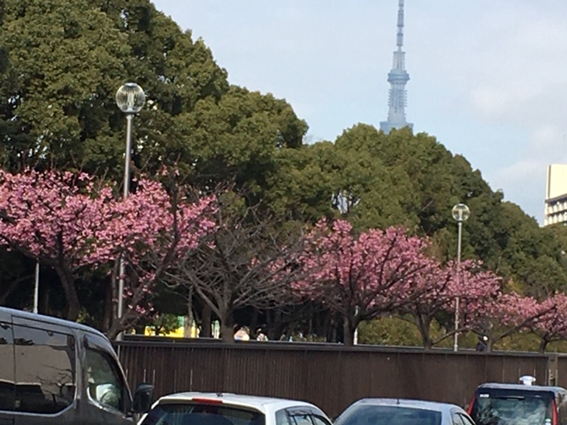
130 98
36 289
460 213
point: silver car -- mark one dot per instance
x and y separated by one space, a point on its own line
197 408
394 411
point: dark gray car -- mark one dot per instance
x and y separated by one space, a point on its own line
57 372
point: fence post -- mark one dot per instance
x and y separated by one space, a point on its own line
552 370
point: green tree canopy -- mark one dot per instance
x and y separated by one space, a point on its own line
62 62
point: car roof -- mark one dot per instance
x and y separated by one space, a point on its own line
243 400
520 387
50 319
416 404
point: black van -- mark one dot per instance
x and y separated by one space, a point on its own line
495 404
57 372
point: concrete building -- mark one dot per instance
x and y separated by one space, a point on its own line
398 78
556 194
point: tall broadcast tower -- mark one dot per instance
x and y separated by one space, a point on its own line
398 78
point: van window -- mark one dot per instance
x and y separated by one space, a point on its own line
7 390
105 384
499 406
44 370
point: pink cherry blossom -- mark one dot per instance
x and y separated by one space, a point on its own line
551 324
437 288
68 221
360 276
503 314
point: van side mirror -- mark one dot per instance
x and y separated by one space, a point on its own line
143 396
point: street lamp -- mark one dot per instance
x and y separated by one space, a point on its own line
460 213
36 289
130 98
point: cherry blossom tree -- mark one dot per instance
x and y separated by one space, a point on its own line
361 277
56 219
551 325
245 262
502 315
435 291
69 221
151 229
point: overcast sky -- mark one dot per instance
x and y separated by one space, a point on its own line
488 78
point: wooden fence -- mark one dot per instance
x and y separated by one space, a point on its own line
330 375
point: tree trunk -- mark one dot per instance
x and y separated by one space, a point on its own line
7 289
71 296
543 345
332 330
424 326
43 302
254 324
109 306
206 325
188 328
227 329
274 325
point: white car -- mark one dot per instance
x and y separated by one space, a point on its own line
395 411
198 408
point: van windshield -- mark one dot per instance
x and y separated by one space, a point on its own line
518 407
201 414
